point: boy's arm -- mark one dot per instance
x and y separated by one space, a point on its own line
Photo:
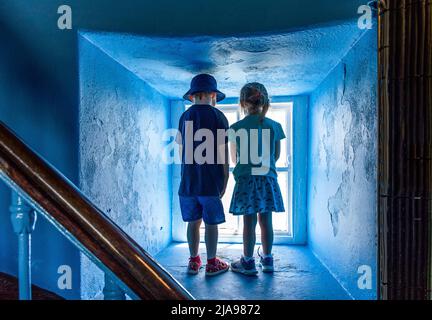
277 150
180 151
223 154
179 139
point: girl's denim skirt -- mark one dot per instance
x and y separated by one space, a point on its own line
256 194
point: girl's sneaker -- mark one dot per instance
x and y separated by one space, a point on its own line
215 267
266 263
245 267
194 265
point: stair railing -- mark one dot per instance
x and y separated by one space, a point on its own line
39 187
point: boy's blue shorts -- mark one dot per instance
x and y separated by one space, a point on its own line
210 209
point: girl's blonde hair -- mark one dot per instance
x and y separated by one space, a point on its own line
254 99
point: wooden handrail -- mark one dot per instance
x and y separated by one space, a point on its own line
85 222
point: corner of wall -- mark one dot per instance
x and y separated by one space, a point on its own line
300 170
178 226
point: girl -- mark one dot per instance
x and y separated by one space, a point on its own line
256 192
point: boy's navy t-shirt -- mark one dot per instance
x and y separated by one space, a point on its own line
201 179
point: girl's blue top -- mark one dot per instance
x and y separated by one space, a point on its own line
255 141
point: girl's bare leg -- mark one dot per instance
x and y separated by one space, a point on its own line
266 225
249 237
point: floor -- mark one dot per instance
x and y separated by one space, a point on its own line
298 276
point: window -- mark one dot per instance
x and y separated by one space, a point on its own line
282 222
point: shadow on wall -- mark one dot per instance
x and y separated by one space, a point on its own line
33 105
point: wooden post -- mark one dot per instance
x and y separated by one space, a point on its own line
405 149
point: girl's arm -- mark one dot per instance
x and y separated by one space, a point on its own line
233 152
277 150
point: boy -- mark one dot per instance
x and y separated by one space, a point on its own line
203 182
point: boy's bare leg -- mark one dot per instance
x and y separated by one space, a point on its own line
211 240
249 237
266 225
193 237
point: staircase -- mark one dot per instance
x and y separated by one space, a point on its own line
39 189
9 290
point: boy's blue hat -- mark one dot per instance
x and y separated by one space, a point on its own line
204 83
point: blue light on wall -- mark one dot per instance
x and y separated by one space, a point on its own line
122 120
343 170
290 63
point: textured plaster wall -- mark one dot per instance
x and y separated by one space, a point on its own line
290 63
343 167
121 125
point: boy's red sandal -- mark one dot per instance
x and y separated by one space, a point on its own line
218 267
194 265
